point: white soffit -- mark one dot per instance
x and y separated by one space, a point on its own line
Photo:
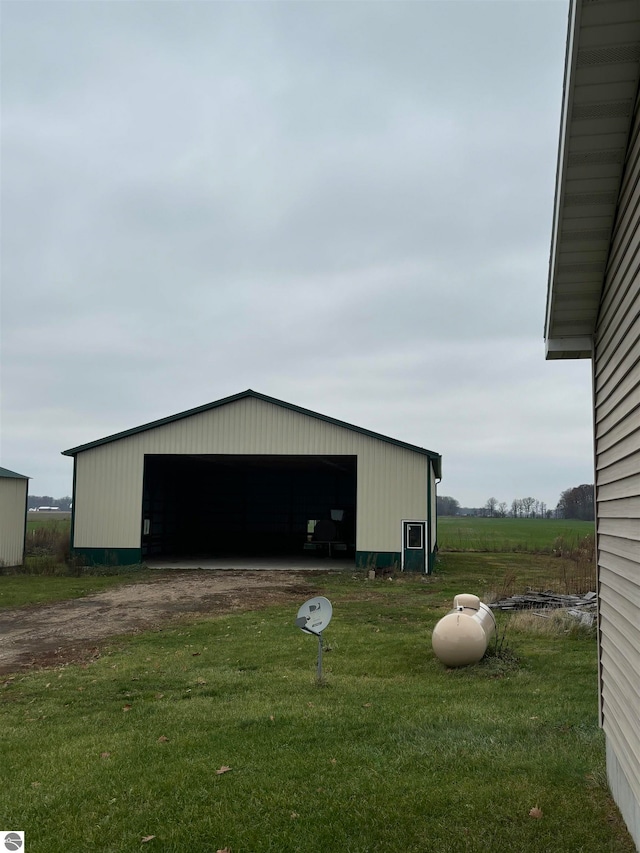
600 90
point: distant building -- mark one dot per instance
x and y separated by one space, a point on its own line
593 311
13 517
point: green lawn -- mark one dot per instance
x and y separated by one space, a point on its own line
461 533
395 753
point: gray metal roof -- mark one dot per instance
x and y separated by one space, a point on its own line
4 472
435 457
602 72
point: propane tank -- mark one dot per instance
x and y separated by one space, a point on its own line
462 636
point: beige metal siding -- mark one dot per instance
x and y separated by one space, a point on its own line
108 492
617 442
13 519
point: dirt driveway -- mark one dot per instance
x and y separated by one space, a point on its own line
52 634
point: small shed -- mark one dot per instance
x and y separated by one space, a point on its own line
13 517
252 475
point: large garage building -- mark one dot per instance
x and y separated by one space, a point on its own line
252 475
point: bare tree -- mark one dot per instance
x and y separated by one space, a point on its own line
527 506
490 506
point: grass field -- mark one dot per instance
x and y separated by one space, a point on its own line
395 753
462 533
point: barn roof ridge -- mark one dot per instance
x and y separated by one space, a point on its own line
435 457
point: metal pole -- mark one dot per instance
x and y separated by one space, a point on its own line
319 676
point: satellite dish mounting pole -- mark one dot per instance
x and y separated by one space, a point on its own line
313 617
319 675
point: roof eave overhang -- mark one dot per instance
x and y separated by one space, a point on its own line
602 70
12 475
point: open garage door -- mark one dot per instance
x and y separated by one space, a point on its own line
220 506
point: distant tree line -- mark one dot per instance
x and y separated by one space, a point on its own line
34 501
574 503
447 506
577 503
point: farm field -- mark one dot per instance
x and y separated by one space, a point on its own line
213 729
455 533
48 519
467 533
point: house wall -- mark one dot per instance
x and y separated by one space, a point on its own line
109 478
617 449
13 520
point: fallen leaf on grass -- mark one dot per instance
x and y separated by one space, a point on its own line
332 760
224 850
163 739
159 696
147 838
105 755
200 681
127 707
535 812
194 654
36 784
294 815
222 770
272 718
367 705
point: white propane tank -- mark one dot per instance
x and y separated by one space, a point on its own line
462 636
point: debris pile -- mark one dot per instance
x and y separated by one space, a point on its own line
532 600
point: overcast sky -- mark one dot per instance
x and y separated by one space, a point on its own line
346 206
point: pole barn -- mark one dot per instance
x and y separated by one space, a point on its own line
255 476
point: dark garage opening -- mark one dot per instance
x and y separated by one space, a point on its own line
220 506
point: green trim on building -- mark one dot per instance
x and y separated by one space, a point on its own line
436 459
378 559
108 556
427 562
431 562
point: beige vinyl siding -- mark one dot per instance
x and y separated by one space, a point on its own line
109 478
617 447
13 519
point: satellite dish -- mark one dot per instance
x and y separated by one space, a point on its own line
314 615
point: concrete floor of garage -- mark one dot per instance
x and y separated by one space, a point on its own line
303 563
